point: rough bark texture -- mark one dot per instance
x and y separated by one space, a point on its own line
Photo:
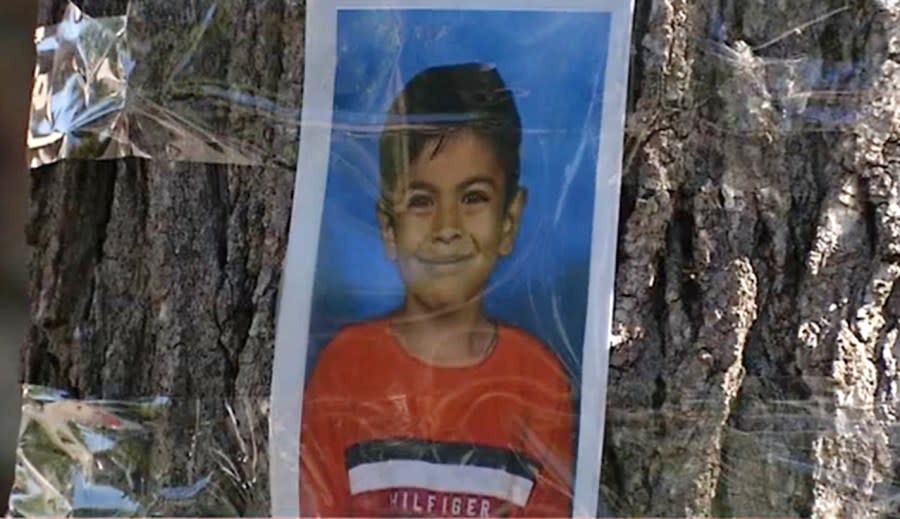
755 357
753 365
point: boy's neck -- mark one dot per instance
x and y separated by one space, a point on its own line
455 338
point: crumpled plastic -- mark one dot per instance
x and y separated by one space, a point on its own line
78 458
87 103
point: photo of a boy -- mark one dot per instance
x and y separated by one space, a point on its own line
437 409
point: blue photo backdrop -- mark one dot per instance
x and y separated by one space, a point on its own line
554 62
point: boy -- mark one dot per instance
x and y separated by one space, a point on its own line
435 409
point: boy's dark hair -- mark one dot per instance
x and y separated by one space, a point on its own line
441 100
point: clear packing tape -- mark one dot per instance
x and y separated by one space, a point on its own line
91 100
90 458
153 457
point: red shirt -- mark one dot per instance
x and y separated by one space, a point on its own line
385 434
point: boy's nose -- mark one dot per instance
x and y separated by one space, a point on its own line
447 222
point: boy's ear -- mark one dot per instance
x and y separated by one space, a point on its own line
511 221
386 229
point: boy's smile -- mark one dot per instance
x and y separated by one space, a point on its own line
448 221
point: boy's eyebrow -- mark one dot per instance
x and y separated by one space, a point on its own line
479 179
419 184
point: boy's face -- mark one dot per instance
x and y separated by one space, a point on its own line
450 222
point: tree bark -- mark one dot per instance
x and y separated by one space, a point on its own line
754 357
752 369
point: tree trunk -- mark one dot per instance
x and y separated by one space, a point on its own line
753 360
753 364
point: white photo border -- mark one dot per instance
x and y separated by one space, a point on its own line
295 302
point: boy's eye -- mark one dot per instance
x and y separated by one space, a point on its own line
475 197
419 201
